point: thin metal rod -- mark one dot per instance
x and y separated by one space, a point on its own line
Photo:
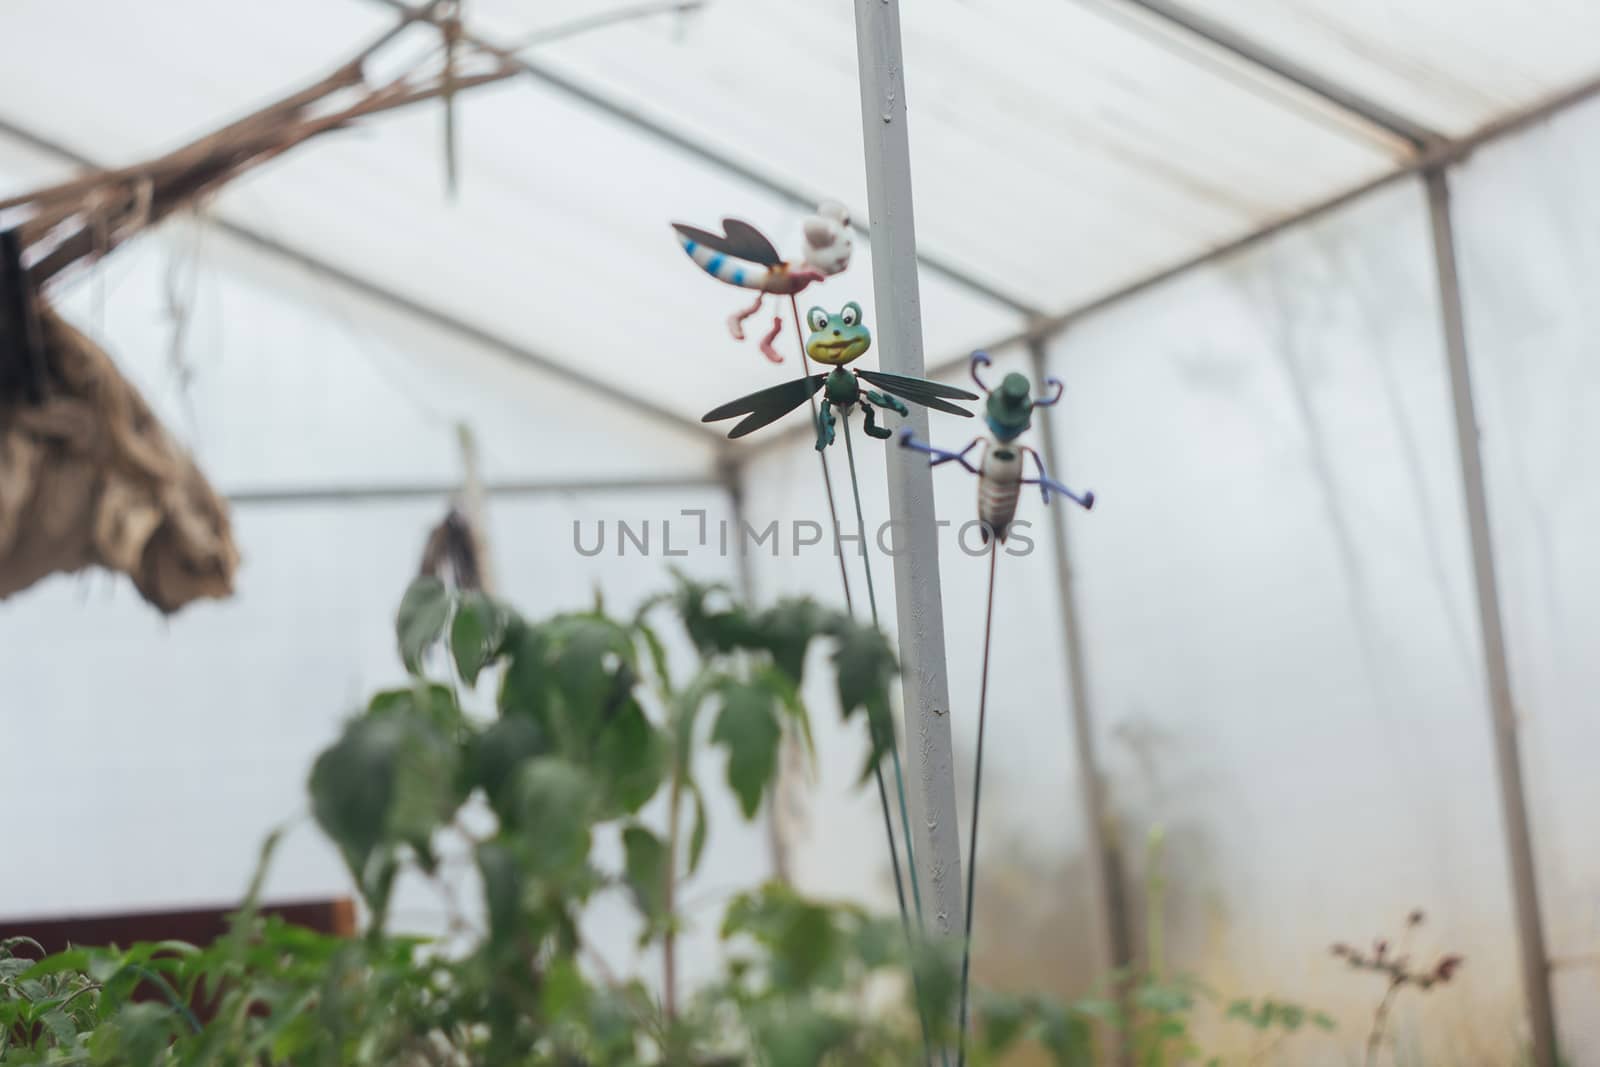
433 316
849 603
844 579
318 496
894 751
705 151
977 800
1259 55
1113 939
872 599
930 763
1536 976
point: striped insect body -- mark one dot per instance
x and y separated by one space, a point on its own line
999 485
1002 466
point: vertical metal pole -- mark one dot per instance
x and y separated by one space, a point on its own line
930 768
1513 802
1113 941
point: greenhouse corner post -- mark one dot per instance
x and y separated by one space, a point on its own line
918 604
1114 939
1508 761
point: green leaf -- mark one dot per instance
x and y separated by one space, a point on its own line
140 1033
528 687
646 871
475 634
9 946
563 994
789 702
553 802
802 1036
786 629
936 970
590 652
749 730
697 836
424 610
658 651
497 753
1066 1035
502 892
711 629
75 960
865 668
630 757
389 779
1002 1018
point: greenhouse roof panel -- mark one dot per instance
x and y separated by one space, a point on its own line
1063 150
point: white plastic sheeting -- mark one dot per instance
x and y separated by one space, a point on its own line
1062 149
1448 66
1530 259
1278 616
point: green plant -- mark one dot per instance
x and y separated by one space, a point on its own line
1157 1021
589 726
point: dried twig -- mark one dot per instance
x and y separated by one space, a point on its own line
89 216
1396 967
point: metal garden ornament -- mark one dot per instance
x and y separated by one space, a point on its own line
837 340
741 255
1001 471
1001 466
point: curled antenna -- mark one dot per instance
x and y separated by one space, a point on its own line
980 359
1060 388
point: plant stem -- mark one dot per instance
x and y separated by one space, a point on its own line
1380 1020
1155 897
669 939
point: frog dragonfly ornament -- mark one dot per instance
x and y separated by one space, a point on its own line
741 255
1008 412
835 341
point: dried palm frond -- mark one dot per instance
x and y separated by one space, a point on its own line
88 475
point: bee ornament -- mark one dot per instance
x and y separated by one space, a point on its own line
1001 467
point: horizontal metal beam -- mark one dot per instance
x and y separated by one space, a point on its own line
1258 55
759 177
381 294
1441 155
377 494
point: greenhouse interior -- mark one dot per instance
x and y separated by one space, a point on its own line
408 661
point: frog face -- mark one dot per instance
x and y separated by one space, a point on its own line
837 339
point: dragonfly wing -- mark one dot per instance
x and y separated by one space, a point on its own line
935 395
741 241
766 406
747 242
